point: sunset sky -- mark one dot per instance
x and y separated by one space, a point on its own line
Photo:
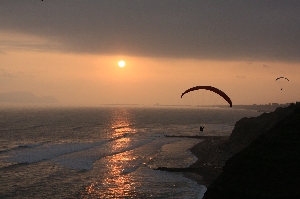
70 49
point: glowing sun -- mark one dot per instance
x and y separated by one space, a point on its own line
121 63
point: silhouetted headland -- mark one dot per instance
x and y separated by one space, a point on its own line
25 97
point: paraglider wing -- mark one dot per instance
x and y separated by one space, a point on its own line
281 77
210 88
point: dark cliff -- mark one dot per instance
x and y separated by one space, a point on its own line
247 129
268 164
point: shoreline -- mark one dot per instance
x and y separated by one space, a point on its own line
210 160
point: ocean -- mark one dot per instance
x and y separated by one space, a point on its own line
104 152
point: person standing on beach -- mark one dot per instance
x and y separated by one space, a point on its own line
201 128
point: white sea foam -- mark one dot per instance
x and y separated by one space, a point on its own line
47 151
202 189
84 159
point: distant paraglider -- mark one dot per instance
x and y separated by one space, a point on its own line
281 78
210 88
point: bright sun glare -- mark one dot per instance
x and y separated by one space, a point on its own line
121 63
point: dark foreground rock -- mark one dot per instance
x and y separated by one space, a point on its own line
269 166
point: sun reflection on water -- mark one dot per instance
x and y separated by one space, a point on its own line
117 181
120 184
121 123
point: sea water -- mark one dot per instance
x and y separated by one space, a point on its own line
104 152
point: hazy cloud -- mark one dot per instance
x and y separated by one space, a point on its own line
233 30
240 76
4 76
7 76
26 45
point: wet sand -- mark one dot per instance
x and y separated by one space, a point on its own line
210 160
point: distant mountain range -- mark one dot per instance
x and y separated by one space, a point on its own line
25 97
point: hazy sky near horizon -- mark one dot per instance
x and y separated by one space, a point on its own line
70 50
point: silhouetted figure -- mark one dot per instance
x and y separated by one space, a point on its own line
201 128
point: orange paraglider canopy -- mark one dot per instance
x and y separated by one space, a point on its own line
210 88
